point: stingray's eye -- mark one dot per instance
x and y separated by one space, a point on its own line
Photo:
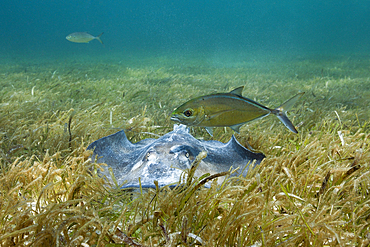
187 155
188 112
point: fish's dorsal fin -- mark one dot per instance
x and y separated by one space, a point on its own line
238 91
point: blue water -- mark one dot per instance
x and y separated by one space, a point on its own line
38 28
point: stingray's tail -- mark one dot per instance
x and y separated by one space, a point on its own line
280 112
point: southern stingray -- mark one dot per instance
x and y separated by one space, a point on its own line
165 159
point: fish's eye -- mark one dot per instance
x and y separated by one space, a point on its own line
188 113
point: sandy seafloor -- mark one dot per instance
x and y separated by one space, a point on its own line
58 105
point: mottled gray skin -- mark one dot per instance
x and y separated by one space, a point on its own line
164 159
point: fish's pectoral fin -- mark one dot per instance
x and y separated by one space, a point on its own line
280 112
216 114
236 127
209 130
238 91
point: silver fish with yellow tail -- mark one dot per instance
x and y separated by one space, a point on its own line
83 37
229 110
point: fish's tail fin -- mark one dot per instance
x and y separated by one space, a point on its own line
98 38
280 112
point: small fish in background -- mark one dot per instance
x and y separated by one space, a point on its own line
229 110
83 37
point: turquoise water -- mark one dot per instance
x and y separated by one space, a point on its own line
37 30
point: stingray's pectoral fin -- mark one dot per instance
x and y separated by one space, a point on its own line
209 130
236 127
